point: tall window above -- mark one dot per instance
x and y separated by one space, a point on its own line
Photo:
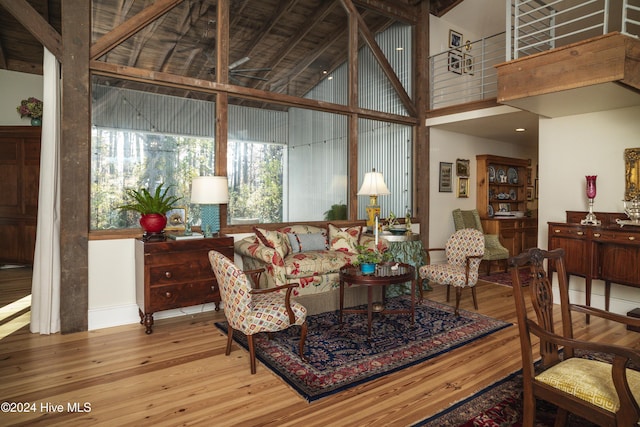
140 140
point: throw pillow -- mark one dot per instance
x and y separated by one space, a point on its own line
302 242
344 240
273 239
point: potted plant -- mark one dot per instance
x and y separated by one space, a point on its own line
368 258
31 107
151 206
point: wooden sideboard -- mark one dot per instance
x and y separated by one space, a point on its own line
607 252
174 274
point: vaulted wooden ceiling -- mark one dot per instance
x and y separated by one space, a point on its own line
284 46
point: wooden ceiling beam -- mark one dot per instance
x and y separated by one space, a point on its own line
130 27
387 69
338 61
395 9
24 13
282 9
3 59
440 7
206 86
317 17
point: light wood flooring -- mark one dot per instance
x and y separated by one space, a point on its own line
179 375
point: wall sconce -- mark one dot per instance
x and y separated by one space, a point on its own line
373 186
210 191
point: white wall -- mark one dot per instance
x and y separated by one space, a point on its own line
570 148
15 87
447 147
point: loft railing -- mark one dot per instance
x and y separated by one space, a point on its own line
539 25
467 73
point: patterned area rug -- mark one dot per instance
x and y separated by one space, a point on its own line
343 357
500 404
505 278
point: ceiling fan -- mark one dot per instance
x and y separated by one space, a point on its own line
233 71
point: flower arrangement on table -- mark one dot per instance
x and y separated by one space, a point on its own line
30 107
366 255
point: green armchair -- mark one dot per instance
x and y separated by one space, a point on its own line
493 249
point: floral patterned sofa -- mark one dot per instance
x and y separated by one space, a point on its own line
309 255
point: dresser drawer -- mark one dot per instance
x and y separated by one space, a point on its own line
182 295
618 236
566 231
191 269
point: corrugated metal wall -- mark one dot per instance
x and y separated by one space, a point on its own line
119 108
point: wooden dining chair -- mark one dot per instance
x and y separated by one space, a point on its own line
606 394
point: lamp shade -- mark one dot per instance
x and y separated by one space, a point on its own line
373 185
209 190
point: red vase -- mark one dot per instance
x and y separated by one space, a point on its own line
153 223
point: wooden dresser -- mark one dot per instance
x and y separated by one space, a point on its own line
607 252
174 274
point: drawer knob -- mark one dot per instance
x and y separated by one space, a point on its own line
168 294
556 231
596 234
168 274
580 233
632 238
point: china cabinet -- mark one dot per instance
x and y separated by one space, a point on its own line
501 201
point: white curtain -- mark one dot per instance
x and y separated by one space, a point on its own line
45 286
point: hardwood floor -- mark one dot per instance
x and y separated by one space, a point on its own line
179 375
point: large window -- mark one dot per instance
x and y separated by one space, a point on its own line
284 163
130 159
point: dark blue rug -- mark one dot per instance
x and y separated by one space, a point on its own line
343 357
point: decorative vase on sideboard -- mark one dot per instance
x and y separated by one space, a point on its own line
36 121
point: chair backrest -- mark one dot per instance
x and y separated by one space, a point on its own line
466 219
235 288
464 243
542 301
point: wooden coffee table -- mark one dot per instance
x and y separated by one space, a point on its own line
353 275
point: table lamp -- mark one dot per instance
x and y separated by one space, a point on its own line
373 186
210 191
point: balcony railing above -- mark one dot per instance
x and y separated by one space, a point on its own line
467 73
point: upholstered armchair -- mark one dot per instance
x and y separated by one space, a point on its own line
606 391
464 251
252 311
493 249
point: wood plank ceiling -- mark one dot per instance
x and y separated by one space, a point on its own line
283 46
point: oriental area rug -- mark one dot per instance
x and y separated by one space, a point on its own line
342 357
500 404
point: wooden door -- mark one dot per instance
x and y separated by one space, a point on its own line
20 174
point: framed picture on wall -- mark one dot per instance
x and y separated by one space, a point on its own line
463 187
530 194
455 39
462 167
468 64
455 62
446 177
